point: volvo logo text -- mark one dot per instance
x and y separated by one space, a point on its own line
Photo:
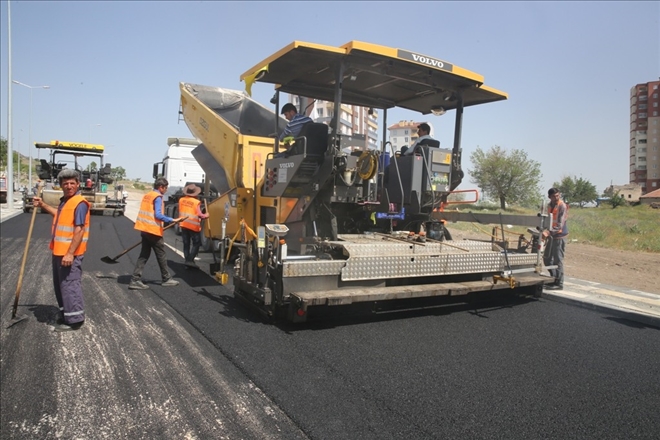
428 61
423 59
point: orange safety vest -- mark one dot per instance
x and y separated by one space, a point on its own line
188 207
146 219
63 228
555 211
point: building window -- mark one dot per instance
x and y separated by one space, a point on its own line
654 184
405 139
642 115
319 112
642 106
655 104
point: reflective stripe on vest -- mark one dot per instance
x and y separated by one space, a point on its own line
64 226
146 219
188 207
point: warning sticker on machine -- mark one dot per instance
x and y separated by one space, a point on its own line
281 173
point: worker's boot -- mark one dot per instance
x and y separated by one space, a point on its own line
137 285
68 327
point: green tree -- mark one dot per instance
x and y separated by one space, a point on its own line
511 177
92 166
3 152
577 191
566 187
118 173
617 200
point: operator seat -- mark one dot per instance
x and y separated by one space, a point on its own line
426 142
104 174
316 135
44 170
430 143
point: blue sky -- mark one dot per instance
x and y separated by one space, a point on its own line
567 66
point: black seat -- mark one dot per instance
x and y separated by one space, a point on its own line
430 143
316 135
43 170
104 174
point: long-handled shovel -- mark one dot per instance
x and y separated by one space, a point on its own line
111 260
16 319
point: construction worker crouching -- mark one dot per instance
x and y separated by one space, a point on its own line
189 206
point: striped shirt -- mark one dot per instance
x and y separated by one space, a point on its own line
295 125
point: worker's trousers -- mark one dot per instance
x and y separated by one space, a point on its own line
191 243
555 257
67 281
155 242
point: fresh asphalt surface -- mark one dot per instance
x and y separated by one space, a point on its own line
190 362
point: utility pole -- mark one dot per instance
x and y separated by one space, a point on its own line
10 159
30 129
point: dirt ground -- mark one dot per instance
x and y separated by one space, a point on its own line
634 270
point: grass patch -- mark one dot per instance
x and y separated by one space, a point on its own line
631 228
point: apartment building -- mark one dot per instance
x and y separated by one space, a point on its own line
404 133
645 136
353 120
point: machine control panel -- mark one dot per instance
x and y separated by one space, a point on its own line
276 230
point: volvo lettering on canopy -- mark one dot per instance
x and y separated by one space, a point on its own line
423 59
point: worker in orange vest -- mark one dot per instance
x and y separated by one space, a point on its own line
189 206
558 232
149 222
70 233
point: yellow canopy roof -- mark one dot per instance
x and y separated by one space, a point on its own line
374 76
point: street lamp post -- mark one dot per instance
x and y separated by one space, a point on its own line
30 128
18 158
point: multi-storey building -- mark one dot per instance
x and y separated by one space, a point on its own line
353 120
404 133
645 136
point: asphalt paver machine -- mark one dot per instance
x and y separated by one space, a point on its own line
94 183
319 226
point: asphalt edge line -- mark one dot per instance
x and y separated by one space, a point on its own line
648 320
11 215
